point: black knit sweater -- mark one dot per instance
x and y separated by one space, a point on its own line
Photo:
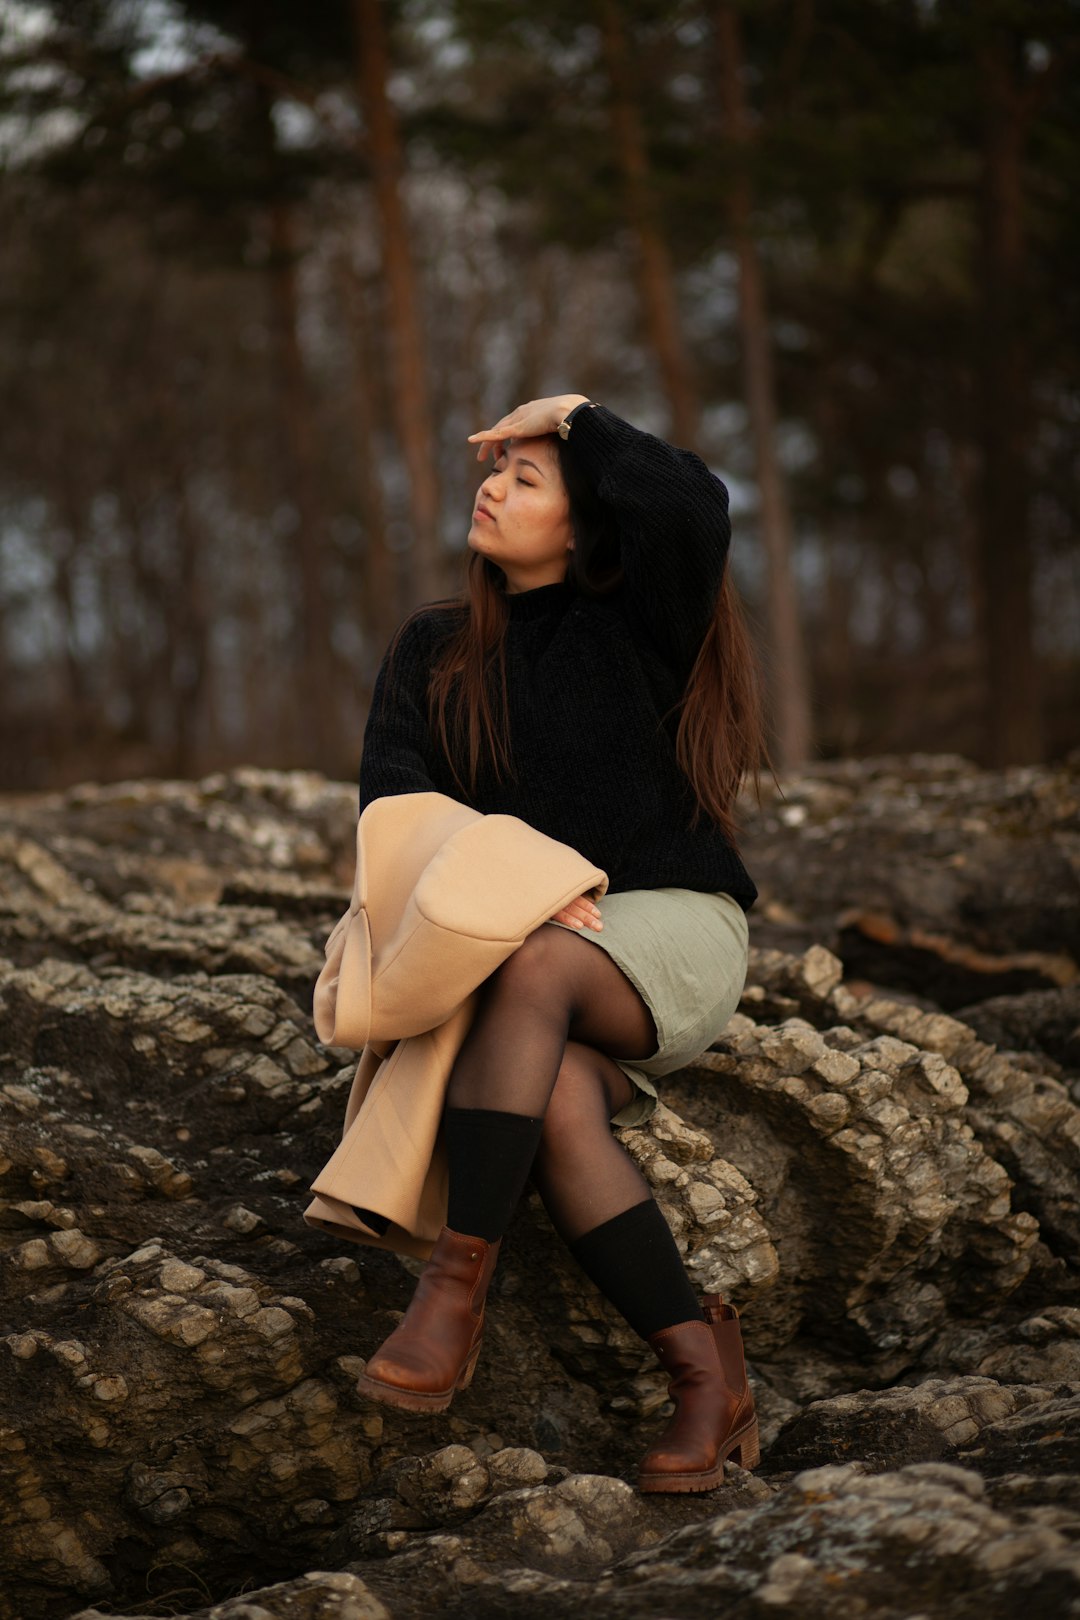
590 681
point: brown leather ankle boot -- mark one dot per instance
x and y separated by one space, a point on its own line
714 1414
433 1350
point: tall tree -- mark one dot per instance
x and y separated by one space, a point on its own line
316 723
656 272
382 606
790 678
1009 99
152 582
410 388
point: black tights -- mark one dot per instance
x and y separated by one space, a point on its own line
535 1083
548 1024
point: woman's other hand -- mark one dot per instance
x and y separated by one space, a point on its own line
580 913
529 421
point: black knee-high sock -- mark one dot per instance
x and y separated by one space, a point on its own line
634 1262
489 1155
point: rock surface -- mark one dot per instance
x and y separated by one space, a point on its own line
891 1199
925 873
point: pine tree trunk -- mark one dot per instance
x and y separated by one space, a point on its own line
1014 718
657 275
139 654
539 317
77 698
790 678
409 381
316 729
836 658
189 639
379 607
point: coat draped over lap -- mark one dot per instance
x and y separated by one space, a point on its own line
442 895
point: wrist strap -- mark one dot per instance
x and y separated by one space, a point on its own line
563 429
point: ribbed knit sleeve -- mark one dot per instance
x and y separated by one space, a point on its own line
399 753
674 529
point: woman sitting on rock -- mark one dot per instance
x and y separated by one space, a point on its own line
596 681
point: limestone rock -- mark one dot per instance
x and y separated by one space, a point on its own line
1046 1022
880 1198
884 1194
1040 1438
1043 1348
322 1595
709 1204
924 873
1026 1118
920 1540
927 1422
445 1486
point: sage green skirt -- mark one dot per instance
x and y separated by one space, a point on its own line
686 953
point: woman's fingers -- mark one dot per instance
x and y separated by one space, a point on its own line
504 428
581 913
496 446
527 421
573 920
494 439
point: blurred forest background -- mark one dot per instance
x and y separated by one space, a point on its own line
266 264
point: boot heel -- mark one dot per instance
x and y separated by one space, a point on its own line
748 1451
470 1367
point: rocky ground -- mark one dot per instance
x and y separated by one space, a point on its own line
879 1162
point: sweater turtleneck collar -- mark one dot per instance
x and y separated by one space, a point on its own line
541 601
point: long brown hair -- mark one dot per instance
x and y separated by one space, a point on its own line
720 740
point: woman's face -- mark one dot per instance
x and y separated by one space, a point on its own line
522 515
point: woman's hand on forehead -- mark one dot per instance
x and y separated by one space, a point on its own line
529 421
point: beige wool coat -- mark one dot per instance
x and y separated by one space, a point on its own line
442 895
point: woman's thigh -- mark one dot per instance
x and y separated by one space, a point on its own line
606 1011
